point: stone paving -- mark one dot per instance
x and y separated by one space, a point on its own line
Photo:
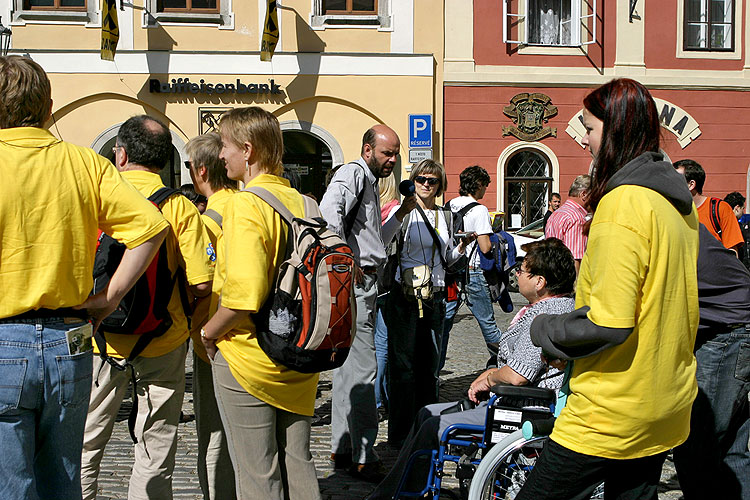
466 356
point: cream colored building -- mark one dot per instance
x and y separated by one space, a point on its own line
333 75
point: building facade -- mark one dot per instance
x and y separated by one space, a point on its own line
516 73
339 67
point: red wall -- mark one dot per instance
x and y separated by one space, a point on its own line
474 119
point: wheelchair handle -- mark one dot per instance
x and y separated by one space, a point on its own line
541 427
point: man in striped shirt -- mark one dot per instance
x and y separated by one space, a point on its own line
566 223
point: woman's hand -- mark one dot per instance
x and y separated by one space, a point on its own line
210 346
480 386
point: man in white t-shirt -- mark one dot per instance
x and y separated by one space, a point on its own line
476 218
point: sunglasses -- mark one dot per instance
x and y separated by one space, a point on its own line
432 181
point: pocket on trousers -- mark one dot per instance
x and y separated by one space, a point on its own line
75 372
742 370
12 375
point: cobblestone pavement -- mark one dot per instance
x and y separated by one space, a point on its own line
466 355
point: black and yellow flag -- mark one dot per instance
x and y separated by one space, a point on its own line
270 32
110 31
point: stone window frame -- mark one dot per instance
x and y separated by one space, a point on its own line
90 14
381 20
224 17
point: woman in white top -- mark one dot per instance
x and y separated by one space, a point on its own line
415 307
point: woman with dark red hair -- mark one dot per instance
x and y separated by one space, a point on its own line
632 383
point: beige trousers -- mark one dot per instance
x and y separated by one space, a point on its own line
161 386
270 448
215 472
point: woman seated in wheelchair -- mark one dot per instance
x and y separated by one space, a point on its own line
546 279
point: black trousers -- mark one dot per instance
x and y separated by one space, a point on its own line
413 358
562 474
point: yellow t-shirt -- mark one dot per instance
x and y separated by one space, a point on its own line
188 247
216 202
254 244
634 400
54 197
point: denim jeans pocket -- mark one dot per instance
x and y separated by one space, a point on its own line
75 372
742 369
12 375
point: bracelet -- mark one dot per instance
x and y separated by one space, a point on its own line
489 383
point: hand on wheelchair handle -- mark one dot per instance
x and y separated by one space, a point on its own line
547 359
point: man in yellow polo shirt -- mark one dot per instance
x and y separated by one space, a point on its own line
144 146
209 175
54 196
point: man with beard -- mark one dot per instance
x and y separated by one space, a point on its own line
351 206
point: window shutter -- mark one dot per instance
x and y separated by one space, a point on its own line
517 19
585 24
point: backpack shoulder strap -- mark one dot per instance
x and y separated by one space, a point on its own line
214 216
162 194
352 215
715 220
448 215
468 208
265 195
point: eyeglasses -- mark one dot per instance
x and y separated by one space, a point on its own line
520 271
432 181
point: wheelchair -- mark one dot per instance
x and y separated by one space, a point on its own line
493 460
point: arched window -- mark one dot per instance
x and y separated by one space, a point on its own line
528 185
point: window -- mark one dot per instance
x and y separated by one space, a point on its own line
350 7
554 23
218 12
528 184
709 25
350 13
54 4
188 6
56 11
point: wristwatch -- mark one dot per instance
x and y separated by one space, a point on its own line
203 334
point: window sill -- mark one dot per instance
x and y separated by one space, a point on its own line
349 21
709 54
156 18
55 17
553 50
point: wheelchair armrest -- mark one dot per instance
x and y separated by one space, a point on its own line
522 391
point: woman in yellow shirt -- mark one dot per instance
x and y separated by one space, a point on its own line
266 408
632 383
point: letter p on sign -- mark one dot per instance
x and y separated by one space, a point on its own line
420 131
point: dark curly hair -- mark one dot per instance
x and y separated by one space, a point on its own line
551 259
471 179
147 141
735 199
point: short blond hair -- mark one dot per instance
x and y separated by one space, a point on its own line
204 150
387 186
261 129
431 167
26 93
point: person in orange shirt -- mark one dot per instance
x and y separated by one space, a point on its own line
716 215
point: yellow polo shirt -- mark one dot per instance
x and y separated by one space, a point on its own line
639 271
216 202
54 197
188 246
254 244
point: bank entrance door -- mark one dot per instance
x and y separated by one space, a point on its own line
309 158
170 175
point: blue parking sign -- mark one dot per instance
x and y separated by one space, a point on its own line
420 131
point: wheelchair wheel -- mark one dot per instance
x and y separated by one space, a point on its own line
504 469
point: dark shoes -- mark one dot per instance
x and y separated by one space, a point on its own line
341 461
372 472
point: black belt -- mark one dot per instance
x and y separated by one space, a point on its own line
369 269
47 314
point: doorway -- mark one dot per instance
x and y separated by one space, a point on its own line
309 158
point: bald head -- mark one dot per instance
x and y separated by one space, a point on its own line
380 147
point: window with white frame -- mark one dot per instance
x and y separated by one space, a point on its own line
709 25
64 11
553 23
354 13
217 12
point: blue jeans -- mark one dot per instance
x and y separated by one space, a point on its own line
714 461
481 307
44 397
381 353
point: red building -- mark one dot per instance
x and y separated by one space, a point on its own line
516 73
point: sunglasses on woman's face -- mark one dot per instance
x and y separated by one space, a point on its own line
421 179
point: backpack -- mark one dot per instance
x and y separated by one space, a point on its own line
494 268
744 250
143 310
307 323
715 220
458 272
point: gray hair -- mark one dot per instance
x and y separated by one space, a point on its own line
580 184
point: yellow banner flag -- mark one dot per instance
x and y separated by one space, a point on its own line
270 32
110 31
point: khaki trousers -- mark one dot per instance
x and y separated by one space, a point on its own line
270 448
161 386
215 472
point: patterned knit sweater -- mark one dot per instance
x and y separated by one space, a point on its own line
523 357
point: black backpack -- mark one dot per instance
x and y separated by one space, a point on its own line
143 310
744 250
458 272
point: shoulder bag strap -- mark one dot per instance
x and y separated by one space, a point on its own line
434 235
